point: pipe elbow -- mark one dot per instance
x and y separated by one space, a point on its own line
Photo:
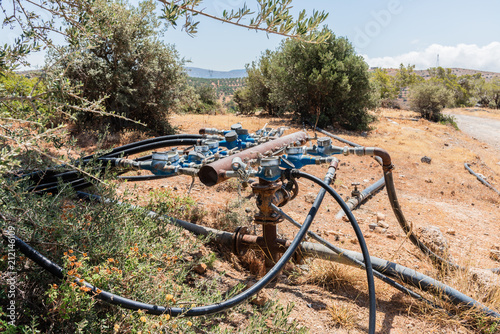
384 155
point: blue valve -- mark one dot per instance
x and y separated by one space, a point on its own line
163 163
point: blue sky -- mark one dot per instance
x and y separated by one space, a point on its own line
386 33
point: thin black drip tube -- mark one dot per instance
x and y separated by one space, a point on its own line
58 272
359 235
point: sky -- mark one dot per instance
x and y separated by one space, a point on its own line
386 33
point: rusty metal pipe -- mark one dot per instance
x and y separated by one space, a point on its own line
214 172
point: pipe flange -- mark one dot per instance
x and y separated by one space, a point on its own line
238 247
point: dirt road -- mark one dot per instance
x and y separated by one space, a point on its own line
484 129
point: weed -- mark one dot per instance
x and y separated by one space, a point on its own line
448 119
343 316
165 202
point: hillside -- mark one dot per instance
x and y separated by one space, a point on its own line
456 71
196 72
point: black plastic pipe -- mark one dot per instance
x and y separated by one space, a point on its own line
354 202
399 272
354 261
175 311
359 235
483 181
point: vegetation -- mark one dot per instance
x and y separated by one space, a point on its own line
113 66
429 98
325 83
135 74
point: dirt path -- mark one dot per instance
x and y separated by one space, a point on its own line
483 129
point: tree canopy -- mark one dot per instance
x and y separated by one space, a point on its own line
327 83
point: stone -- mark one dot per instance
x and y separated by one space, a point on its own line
200 268
310 197
428 180
434 239
380 216
487 282
261 298
495 254
426 159
372 226
451 231
391 236
383 224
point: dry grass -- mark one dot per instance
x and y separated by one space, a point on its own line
343 316
332 276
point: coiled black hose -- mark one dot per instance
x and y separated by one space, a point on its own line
364 249
50 183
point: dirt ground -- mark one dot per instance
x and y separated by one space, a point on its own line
334 298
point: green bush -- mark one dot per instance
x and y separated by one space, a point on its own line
124 63
429 98
325 81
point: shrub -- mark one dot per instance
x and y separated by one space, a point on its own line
429 98
326 82
138 75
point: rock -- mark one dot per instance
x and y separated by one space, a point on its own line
426 159
261 298
391 236
200 268
487 282
434 239
383 224
345 218
451 231
310 197
380 216
495 254
372 226
428 180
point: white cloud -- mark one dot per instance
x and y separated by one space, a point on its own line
471 56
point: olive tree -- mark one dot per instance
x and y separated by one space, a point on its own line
326 83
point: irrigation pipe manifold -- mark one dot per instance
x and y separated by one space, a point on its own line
215 156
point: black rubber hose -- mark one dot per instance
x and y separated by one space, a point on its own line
41 183
147 141
401 273
359 235
148 144
398 212
152 146
175 311
136 178
354 261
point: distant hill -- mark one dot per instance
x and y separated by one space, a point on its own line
196 72
457 71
